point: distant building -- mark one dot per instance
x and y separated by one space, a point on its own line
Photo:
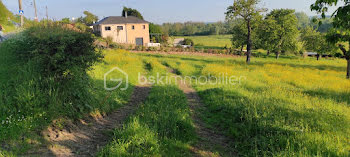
126 30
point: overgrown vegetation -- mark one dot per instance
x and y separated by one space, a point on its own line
44 77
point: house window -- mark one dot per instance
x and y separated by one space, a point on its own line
132 27
144 26
107 28
120 28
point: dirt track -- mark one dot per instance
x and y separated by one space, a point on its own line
209 140
87 137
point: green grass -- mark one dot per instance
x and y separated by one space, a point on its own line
162 126
286 107
211 41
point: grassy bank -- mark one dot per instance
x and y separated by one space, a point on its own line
29 102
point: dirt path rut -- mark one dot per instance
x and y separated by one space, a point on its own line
87 137
209 140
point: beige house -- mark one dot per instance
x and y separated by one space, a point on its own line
126 30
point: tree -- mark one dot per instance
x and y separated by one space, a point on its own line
247 10
303 20
341 20
89 18
268 35
281 33
155 32
132 12
239 33
316 41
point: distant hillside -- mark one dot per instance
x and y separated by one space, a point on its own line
4 13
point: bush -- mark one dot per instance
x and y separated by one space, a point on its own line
59 52
188 42
109 41
44 77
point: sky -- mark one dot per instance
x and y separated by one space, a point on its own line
156 11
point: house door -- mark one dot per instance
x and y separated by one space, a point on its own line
139 41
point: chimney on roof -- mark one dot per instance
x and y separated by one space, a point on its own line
126 14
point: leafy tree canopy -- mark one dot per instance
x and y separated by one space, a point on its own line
132 12
341 15
303 20
279 31
248 11
88 19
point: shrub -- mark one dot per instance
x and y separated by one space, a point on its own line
58 52
188 42
43 77
109 41
152 48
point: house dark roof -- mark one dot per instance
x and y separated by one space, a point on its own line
120 20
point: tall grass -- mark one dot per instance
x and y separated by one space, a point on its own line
161 127
287 107
29 101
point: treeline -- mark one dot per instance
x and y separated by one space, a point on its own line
196 28
223 28
283 31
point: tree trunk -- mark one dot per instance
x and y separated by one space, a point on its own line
268 52
249 44
277 55
242 49
318 56
348 69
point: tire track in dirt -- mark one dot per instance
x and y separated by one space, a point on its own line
209 140
91 134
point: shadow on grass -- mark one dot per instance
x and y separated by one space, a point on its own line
340 97
255 63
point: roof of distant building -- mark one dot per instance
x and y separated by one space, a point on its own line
120 20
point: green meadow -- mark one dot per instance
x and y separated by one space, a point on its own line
287 107
210 41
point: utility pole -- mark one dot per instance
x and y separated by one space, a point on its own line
36 12
21 11
47 14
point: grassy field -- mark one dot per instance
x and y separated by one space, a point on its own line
211 41
286 107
